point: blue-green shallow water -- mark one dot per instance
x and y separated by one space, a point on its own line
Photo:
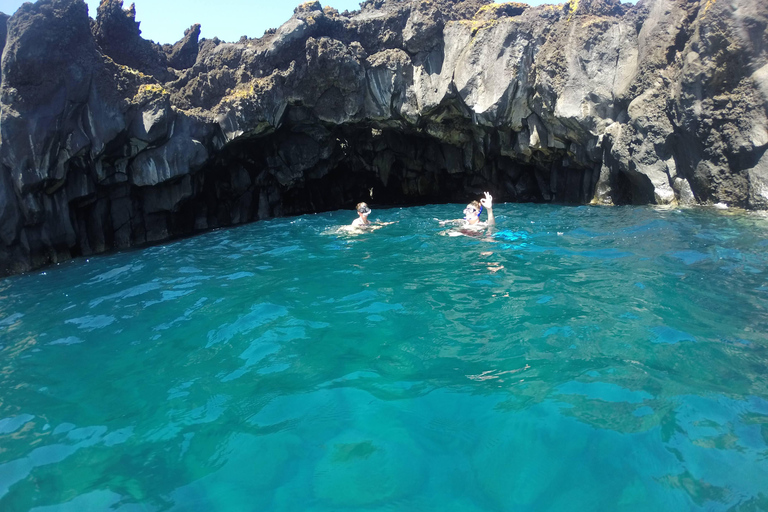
582 359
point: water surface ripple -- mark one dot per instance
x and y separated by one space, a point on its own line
574 359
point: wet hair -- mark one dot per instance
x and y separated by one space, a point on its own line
476 205
361 206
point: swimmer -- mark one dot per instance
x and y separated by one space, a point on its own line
362 212
472 213
361 224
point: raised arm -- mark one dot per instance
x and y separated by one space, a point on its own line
487 203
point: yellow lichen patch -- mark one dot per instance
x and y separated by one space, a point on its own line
240 93
484 9
477 25
710 3
152 89
573 6
131 71
146 91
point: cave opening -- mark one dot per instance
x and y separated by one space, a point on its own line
307 166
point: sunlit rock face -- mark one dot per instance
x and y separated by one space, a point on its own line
108 140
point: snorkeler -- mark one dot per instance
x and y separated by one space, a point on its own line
472 214
361 223
362 211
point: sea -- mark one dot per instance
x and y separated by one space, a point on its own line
567 359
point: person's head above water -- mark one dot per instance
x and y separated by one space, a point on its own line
475 208
362 214
363 210
472 212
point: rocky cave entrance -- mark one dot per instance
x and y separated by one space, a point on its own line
308 166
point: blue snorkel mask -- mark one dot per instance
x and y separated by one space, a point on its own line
364 210
470 210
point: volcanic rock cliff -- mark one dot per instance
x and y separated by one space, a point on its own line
108 140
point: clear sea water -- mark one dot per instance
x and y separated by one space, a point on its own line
576 359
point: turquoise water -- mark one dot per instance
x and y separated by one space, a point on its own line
577 359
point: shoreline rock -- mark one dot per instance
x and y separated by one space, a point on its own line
109 141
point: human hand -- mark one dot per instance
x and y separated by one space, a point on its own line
487 201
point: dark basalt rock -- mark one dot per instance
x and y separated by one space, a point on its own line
183 54
117 33
3 30
121 142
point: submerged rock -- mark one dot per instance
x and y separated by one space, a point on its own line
108 140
